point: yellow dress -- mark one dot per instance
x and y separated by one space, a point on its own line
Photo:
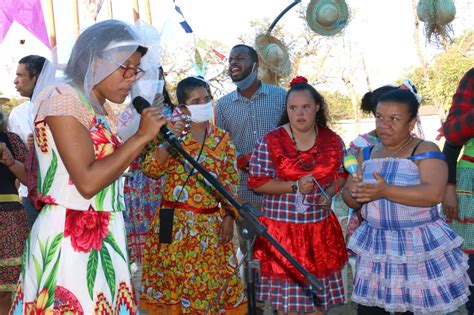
185 276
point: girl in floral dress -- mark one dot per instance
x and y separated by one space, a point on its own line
185 275
75 258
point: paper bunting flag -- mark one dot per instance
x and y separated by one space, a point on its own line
218 54
197 58
27 13
184 24
199 65
202 44
94 6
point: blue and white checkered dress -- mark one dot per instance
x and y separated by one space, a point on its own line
408 259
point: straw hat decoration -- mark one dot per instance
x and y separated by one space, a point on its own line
437 14
327 17
274 58
3 100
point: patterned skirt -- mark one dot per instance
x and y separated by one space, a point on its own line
13 234
142 195
465 193
420 269
184 277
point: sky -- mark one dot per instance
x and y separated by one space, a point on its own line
381 30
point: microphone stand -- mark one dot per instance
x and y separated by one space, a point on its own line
251 229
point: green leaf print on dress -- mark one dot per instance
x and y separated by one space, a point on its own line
48 253
48 180
92 264
108 268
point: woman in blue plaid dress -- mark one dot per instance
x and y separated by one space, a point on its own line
408 258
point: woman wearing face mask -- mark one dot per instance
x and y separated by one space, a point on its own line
184 273
75 259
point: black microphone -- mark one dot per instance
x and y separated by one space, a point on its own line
140 104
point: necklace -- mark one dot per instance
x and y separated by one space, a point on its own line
305 165
403 146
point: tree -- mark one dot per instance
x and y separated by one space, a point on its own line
444 73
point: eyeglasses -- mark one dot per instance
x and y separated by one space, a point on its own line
129 72
316 198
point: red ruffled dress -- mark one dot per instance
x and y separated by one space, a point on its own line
312 235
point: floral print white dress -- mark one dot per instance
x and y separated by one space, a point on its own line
75 259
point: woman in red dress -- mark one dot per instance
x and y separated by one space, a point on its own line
298 168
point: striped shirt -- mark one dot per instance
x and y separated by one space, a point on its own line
248 120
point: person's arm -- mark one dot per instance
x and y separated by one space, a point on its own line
76 150
459 125
262 175
450 202
15 166
430 191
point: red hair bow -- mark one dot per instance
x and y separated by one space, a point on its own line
298 79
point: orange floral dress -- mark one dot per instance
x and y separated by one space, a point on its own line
185 276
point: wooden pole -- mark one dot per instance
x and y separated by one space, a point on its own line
52 30
110 11
148 12
76 18
136 11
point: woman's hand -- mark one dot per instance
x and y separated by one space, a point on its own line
325 203
178 127
226 231
158 101
305 184
150 123
450 203
6 157
365 192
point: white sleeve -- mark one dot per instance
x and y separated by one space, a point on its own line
19 125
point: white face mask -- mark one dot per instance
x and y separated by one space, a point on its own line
147 89
201 112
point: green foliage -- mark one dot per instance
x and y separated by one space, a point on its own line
444 73
13 102
339 106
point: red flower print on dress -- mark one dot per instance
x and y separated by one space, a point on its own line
49 200
87 229
103 140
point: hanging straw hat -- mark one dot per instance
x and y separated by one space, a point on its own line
436 14
327 17
4 100
267 76
273 54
